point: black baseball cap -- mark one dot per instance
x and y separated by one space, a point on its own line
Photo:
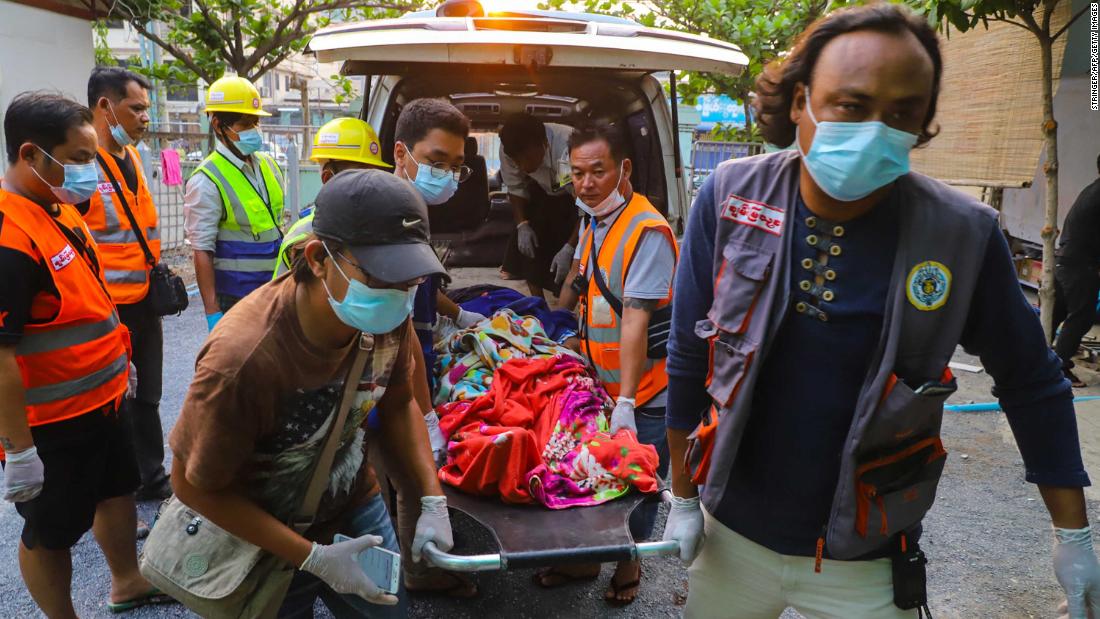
382 220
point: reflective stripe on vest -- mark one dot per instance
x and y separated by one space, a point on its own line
76 361
603 329
124 263
297 233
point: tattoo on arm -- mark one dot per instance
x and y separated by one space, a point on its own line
648 305
6 443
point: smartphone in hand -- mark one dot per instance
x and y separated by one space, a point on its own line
382 567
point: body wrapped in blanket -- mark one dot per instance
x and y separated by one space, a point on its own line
537 433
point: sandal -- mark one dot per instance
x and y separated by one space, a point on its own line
463 588
561 578
153 596
611 596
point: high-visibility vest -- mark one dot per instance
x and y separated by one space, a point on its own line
297 233
77 361
247 244
602 327
125 268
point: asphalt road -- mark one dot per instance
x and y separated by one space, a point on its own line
988 536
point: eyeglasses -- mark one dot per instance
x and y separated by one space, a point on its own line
376 283
440 170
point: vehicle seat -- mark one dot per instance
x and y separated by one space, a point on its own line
470 204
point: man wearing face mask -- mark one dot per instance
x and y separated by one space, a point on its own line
68 458
622 275
233 206
820 294
119 100
268 381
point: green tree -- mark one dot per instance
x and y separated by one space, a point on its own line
763 29
204 38
1036 17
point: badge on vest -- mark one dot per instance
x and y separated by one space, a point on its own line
756 214
928 285
61 259
105 188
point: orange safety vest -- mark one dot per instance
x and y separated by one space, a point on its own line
602 328
76 361
125 268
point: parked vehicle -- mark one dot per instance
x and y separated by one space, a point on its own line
561 67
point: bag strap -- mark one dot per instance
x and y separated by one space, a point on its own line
320 479
126 208
615 302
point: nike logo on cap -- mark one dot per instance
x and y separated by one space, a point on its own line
409 224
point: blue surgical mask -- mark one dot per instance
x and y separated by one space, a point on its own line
118 134
250 141
849 161
81 180
371 310
435 190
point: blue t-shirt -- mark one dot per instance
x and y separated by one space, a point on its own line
784 477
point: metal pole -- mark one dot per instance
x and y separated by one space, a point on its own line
679 164
293 180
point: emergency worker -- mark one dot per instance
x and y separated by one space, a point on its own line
119 100
534 167
233 206
622 274
820 294
270 376
340 144
64 357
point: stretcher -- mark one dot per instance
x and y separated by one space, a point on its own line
534 536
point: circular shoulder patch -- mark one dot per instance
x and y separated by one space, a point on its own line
928 285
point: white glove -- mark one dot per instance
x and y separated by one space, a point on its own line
685 525
468 319
436 438
563 261
525 237
131 382
338 567
23 475
622 418
1078 571
434 525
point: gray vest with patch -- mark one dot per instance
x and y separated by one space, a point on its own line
892 457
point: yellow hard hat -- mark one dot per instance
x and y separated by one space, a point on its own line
347 139
234 94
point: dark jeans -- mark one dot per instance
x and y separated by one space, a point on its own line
305 588
142 412
651 431
1076 289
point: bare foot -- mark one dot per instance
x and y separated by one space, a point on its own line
563 575
624 583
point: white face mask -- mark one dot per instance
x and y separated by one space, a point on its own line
608 205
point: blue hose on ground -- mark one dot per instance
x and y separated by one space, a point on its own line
989 407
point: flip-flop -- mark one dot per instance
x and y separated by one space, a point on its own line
462 589
563 578
617 588
153 596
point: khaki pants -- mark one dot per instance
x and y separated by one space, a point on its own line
735 578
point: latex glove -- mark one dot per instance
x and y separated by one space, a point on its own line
622 418
685 526
526 239
131 382
23 475
1078 571
337 565
212 319
562 263
436 438
434 525
468 319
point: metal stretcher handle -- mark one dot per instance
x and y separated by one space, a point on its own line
494 562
